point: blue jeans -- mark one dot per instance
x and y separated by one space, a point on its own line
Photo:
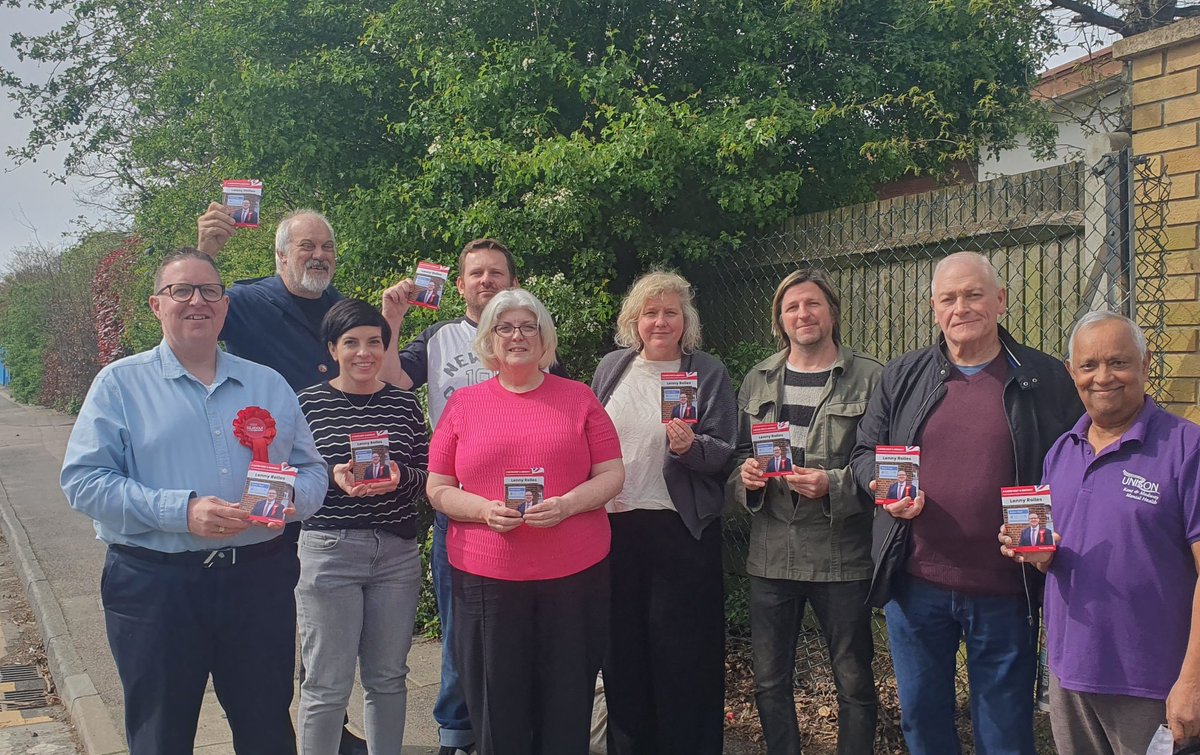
450 710
925 624
356 601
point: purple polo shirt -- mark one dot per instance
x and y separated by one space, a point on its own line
1119 592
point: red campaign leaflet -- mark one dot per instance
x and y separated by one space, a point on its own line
269 491
679 393
1027 518
524 488
772 442
431 282
897 473
369 450
243 196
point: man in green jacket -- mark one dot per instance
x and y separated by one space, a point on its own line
810 537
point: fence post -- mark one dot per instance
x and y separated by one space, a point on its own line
1164 68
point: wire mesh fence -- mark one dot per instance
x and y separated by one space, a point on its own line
1066 240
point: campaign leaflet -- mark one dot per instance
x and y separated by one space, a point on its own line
269 491
679 390
897 469
370 453
772 442
243 197
1027 518
430 282
524 488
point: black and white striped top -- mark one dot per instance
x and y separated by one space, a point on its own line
332 417
801 393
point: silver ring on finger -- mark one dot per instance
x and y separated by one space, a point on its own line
220 530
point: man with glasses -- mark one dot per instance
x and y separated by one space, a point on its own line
276 320
188 578
443 357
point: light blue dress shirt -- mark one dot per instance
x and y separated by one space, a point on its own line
150 437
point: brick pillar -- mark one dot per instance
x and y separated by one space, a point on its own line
1165 96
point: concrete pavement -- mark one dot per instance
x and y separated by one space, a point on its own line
59 561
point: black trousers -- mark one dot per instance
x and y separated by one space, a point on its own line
776 618
528 654
664 675
170 626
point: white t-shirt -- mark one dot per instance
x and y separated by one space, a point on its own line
636 410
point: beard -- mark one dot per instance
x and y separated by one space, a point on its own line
315 278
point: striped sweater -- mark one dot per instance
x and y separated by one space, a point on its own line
332 417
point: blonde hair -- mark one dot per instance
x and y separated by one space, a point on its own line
514 298
654 285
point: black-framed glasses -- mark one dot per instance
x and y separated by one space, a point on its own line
529 329
182 292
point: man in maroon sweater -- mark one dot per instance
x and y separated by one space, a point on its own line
984 409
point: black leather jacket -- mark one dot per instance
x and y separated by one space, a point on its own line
1039 399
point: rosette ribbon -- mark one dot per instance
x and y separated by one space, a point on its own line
254 427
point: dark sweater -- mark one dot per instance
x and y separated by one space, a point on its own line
966 457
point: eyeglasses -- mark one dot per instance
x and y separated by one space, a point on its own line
529 329
182 292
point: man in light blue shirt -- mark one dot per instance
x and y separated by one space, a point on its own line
190 586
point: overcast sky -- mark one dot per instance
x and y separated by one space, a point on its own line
36 210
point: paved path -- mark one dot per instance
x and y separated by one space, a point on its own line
59 560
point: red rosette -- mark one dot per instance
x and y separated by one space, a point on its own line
254 427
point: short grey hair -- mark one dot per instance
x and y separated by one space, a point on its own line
283 233
654 285
1092 319
975 258
514 298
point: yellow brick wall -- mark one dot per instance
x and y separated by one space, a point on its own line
1164 67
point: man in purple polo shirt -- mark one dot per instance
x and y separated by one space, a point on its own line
984 409
1122 604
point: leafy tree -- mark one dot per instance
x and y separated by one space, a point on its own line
596 139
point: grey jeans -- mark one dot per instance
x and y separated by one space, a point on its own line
1094 724
355 602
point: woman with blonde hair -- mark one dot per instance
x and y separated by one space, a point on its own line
664 675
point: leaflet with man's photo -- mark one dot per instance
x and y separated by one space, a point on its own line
679 393
243 197
897 473
772 442
269 491
430 283
524 488
1027 518
369 450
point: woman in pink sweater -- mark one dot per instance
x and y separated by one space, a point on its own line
531 591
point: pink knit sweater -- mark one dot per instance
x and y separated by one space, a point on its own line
486 430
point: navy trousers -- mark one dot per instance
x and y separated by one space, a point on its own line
171 626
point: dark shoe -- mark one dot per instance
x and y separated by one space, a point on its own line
351 744
448 750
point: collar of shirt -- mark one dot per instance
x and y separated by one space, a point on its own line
1135 434
172 368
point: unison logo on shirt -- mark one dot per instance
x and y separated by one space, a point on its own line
1138 488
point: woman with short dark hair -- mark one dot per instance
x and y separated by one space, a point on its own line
360 572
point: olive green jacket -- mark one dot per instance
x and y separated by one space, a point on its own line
826 540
